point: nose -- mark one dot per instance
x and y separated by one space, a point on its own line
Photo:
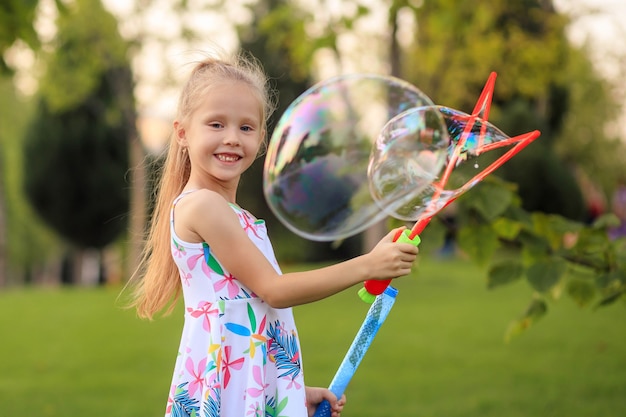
231 137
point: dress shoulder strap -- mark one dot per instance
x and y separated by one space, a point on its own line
176 200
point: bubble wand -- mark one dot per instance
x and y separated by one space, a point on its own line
374 319
313 184
372 288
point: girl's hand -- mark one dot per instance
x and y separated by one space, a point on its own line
391 259
315 395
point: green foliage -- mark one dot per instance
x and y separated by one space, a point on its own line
552 254
459 44
77 143
583 139
537 308
87 47
16 22
29 241
75 179
544 83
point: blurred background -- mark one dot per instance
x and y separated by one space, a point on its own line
88 89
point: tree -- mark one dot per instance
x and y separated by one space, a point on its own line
538 88
77 144
16 22
450 45
25 243
20 234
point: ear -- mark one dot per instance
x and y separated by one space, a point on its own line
181 136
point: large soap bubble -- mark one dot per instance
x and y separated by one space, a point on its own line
315 175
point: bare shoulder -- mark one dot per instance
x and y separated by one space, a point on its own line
201 199
202 211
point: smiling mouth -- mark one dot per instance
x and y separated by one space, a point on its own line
228 157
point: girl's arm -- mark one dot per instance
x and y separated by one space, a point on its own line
206 216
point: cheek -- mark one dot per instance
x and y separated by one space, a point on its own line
257 145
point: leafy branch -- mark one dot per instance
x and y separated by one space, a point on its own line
552 254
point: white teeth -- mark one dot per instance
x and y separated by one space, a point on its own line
227 158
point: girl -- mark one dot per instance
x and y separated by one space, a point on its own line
239 353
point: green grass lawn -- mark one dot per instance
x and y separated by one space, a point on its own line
74 352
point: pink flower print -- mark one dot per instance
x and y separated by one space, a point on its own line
248 225
256 373
255 410
230 281
197 374
204 310
292 383
177 250
212 380
280 329
192 261
170 399
237 364
186 277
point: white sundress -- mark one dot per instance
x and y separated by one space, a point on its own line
238 357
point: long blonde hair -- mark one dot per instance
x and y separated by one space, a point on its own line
156 283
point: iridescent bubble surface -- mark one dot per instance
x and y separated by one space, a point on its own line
316 168
427 156
407 158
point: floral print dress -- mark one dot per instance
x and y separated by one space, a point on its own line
238 356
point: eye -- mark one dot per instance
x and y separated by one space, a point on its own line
215 125
247 128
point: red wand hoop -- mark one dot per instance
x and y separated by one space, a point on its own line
475 138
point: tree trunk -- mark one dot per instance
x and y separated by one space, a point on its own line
137 206
137 224
374 233
3 227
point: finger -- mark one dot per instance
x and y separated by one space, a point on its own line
409 257
392 235
329 396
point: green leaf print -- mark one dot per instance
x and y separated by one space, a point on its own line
211 261
272 409
282 405
252 318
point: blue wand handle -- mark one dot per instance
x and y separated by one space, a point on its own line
373 320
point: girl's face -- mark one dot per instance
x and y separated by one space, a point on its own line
222 136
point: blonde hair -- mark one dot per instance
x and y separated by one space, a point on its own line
156 282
